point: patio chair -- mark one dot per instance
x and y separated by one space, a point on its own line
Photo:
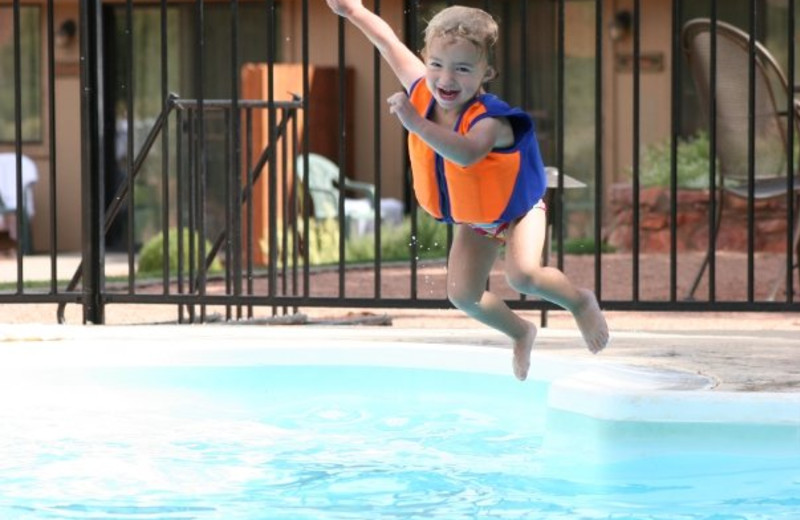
323 187
732 98
20 234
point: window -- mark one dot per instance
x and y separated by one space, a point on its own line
30 78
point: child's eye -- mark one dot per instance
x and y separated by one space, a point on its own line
464 70
434 65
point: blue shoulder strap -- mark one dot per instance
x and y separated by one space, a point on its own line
520 121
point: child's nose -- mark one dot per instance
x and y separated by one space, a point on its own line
446 76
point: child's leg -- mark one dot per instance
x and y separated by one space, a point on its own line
471 259
525 273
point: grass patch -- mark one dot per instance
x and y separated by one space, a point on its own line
585 246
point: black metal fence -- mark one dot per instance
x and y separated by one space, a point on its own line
213 181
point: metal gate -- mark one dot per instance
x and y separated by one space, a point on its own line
211 184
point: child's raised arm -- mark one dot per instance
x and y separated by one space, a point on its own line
405 64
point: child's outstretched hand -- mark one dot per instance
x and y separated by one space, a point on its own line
400 106
343 7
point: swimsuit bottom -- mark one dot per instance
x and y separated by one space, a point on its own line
498 230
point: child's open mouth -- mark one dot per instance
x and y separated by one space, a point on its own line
448 95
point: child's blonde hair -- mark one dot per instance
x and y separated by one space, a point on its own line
472 24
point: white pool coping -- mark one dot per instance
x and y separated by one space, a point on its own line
602 390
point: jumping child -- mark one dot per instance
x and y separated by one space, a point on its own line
475 162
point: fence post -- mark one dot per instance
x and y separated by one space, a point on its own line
93 249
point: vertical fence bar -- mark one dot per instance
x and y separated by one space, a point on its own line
18 141
305 148
272 180
560 120
234 240
751 148
127 87
524 89
637 37
92 169
179 198
51 110
451 227
674 136
791 197
342 152
231 199
712 173
598 151
524 95
413 30
558 198
249 206
191 202
292 134
165 170
284 168
523 56
203 154
506 57
377 105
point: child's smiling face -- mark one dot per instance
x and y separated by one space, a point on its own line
455 71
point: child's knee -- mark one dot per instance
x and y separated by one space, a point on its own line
523 280
463 298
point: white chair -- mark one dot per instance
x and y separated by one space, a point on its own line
323 188
17 231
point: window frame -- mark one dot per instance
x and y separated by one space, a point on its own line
38 70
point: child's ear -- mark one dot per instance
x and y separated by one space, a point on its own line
490 74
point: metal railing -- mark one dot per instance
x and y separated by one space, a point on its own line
211 167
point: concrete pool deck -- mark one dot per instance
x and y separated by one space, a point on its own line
745 352
734 359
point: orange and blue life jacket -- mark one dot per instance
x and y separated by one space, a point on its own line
501 187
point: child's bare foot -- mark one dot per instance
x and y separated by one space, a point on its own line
591 322
522 353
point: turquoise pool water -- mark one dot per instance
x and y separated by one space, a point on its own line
301 441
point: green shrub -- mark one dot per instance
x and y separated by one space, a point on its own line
396 242
322 241
692 163
151 256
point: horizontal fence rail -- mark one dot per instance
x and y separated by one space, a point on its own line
235 169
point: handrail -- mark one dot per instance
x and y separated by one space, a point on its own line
173 102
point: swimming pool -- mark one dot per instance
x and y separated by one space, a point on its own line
220 423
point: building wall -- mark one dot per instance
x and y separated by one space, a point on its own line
655 85
617 101
323 51
68 156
